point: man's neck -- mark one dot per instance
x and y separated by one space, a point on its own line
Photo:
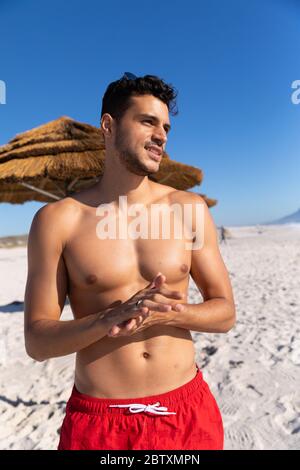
138 189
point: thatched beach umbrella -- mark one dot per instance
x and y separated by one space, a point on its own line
209 201
65 156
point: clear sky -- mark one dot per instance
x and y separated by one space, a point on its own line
232 62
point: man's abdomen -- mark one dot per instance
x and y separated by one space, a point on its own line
154 361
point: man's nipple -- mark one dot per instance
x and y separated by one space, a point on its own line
184 268
91 279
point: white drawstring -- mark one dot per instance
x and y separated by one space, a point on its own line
138 408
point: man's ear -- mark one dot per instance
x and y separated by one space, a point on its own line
106 125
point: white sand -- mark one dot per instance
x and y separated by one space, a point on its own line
253 371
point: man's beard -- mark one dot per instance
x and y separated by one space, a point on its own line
129 159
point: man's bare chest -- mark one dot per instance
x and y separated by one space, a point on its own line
110 263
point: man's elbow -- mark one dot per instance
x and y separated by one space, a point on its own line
33 354
37 358
230 323
31 348
228 327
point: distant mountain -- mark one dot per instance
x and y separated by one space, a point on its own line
288 219
13 240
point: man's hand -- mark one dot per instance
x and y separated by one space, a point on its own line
151 315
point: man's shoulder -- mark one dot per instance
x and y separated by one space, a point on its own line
178 195
59 216
61 208
185 197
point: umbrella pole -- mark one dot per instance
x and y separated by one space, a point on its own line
38 190
163 180
69 187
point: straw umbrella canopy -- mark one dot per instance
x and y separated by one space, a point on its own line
64 156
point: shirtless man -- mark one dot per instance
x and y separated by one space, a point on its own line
136 385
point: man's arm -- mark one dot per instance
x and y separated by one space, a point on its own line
217 313
46 289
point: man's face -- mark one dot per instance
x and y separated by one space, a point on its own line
145 124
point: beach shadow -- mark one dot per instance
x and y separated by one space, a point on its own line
20 401
17 306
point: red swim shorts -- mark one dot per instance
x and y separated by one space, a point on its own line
187 418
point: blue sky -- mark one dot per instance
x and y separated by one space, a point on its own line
232 62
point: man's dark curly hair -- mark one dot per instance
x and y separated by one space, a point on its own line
116 99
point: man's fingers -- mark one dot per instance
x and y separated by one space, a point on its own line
171 294
114 330
160 307
155 280
160 279
158 286
132 323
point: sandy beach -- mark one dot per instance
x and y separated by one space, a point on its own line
253 371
